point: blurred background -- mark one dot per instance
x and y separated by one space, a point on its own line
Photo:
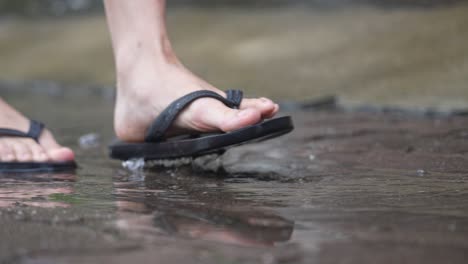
404 53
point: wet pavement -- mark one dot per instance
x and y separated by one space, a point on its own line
378 174
344 187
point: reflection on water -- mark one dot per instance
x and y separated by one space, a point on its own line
176 206
42 190
148 206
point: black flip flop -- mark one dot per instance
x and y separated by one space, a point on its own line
35 130
157 147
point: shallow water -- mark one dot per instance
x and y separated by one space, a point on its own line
319 209
344 187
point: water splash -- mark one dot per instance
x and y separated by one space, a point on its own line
134 164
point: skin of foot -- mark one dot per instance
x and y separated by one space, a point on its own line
144 92
150 77
16 149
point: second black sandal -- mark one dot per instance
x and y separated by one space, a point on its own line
35 131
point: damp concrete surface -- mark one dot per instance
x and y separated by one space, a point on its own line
343 187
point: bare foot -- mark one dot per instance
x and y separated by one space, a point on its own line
147 86
150 77
16 149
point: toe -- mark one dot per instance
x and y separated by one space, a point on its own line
6 152
22 151
209 115
277 108
48 141
38 153
61 154
266 106
54 151
228 119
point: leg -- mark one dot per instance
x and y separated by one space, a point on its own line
150 77
25 149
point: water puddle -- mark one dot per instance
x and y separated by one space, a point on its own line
303 197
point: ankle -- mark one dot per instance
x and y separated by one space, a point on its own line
141 73
144 52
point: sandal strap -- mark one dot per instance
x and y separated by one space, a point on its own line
34 132
235 96
163 122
